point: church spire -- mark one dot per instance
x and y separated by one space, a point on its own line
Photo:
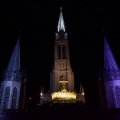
61 24
109 60
14 63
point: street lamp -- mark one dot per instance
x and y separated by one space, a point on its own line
83 93
41 94
30 98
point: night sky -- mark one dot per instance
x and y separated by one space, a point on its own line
38 22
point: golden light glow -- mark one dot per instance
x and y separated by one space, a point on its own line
64 95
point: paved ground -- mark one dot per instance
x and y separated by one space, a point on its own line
60 112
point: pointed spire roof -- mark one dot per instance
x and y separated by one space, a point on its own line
14 63
109 60
61 24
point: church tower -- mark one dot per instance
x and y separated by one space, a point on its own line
111 79
61 70
61 67
11 83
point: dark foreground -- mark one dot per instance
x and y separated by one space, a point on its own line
61 112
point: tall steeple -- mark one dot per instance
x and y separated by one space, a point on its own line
14 63
62 67
11 84
109 60
61 24
109 80
61 33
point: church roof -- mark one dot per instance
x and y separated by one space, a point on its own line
61 24
14 63
109 60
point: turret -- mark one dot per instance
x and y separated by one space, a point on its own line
11 83
109 80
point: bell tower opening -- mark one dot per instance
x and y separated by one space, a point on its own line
59 51
63 52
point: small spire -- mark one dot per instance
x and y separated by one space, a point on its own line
61 24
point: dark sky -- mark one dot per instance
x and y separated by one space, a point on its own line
38 22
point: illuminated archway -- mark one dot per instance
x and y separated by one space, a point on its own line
6 98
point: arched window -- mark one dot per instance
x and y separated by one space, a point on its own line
6 98
63 52
59 51
117 92
14 98
110 98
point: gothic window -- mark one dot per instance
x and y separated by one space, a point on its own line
6 98
14 98
117 91
59 51
63 52
110 97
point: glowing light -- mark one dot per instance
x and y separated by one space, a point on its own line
83 93
64 95
38 104
61 25
41 94
30 98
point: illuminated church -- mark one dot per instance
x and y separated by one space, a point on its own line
13 85
61 76
109 80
